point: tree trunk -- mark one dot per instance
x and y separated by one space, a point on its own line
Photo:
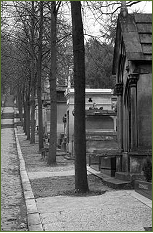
32 138
28 111
52 79
81 183
24 122
24 106
33 83
28 117
19 97
39 69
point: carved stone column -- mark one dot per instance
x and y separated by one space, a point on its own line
119 93
133 78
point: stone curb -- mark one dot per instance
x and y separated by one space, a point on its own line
133 193
141 198
34 222
2 107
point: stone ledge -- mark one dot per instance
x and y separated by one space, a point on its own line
33 219
36 228
28 195
34 223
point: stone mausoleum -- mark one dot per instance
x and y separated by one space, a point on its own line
132 67
100 116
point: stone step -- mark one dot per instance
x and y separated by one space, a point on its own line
5 126
16 115
7 115
122 176
127 176
111 182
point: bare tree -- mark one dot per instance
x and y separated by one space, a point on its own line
81 184
39 73
33 79
52 80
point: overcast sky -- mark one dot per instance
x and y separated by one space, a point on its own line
91 26
145 6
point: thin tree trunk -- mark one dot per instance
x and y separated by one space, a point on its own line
81 183
52 79
33 84
32 138
20 101
28 112
28 117
24 122
24 106
39 69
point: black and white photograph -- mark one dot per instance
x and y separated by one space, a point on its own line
76 116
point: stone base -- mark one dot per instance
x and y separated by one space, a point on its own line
144 188
127 176
132 162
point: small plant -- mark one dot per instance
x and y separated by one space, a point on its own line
147 169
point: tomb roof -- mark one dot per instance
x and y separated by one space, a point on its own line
135 32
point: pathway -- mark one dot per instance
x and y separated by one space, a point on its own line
13 209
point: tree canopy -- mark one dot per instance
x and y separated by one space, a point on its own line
99 58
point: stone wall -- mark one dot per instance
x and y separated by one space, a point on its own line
144 110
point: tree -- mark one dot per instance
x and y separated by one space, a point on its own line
33 79
52 80
24 35
81 184
5 60
27 96
31 26
99 57
39 73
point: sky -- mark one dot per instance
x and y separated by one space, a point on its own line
145 6
92 27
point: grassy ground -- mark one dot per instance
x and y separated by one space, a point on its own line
55 186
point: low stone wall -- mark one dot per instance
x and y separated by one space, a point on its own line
144 188
101 140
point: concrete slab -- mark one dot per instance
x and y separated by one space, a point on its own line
35 228
28 195
33 219
26 186
24 176
31 206
7 121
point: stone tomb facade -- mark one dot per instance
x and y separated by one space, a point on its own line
132 67
61 110
100 116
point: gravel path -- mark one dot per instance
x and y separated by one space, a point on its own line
13 209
